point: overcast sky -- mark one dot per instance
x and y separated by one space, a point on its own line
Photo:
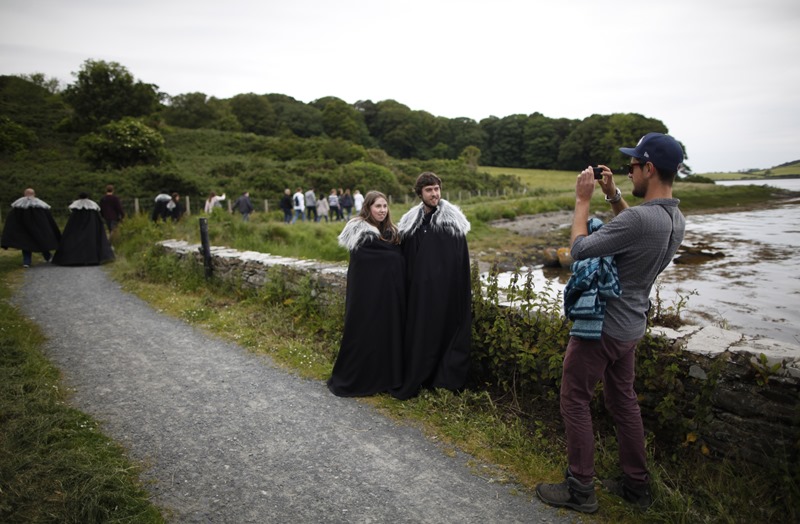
723 75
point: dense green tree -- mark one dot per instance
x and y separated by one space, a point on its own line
295 117
508 140
192 111
393 128
341 120
366 176
540 143
14 137
465 132
31 105
471 155
625 130
52 85
105 92
124 143
431 136
255 113
588 144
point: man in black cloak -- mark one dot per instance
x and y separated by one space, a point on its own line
30 227
84 242
439 317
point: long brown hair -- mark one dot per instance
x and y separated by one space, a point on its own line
387 229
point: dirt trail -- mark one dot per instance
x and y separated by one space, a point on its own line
229 437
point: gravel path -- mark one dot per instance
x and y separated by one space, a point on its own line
229 437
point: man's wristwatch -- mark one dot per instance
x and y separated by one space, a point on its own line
616 198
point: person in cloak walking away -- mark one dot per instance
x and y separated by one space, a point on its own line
370 356
286 205
111 209
84 241
30 227
244 206
642 241
439 318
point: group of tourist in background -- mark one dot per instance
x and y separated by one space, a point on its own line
302 206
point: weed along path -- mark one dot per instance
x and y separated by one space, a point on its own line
226 436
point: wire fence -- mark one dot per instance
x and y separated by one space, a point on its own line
195 205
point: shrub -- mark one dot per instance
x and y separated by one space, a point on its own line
124 143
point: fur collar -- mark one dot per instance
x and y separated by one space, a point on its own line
84 203
26 202
447 219
357 232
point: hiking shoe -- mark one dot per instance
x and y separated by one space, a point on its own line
569 494
637 493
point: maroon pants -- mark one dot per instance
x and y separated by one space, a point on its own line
585 364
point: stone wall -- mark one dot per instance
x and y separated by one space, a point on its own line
754 409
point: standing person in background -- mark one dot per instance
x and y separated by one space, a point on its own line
286 205
346 203
358 200
299 205
438 330
322 209
370 356
311 205
175 207
642 241
213 200
84 241
30 227
333 203
160 207
244 206
111 209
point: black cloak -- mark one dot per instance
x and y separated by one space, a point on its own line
30 227
371 352
84 242
160 209
438 331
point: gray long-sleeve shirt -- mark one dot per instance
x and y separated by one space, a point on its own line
642 239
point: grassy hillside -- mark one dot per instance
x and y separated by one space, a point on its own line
789 169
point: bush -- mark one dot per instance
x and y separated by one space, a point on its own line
15 137
124 143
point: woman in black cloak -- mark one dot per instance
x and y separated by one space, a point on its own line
84 241
371 352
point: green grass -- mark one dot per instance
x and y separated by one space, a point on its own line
55 463
785 170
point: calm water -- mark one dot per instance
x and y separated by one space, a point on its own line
754 288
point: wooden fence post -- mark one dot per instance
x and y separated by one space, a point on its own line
206 247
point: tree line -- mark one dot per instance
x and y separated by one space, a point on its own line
119 117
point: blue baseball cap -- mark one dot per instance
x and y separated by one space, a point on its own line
662 150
